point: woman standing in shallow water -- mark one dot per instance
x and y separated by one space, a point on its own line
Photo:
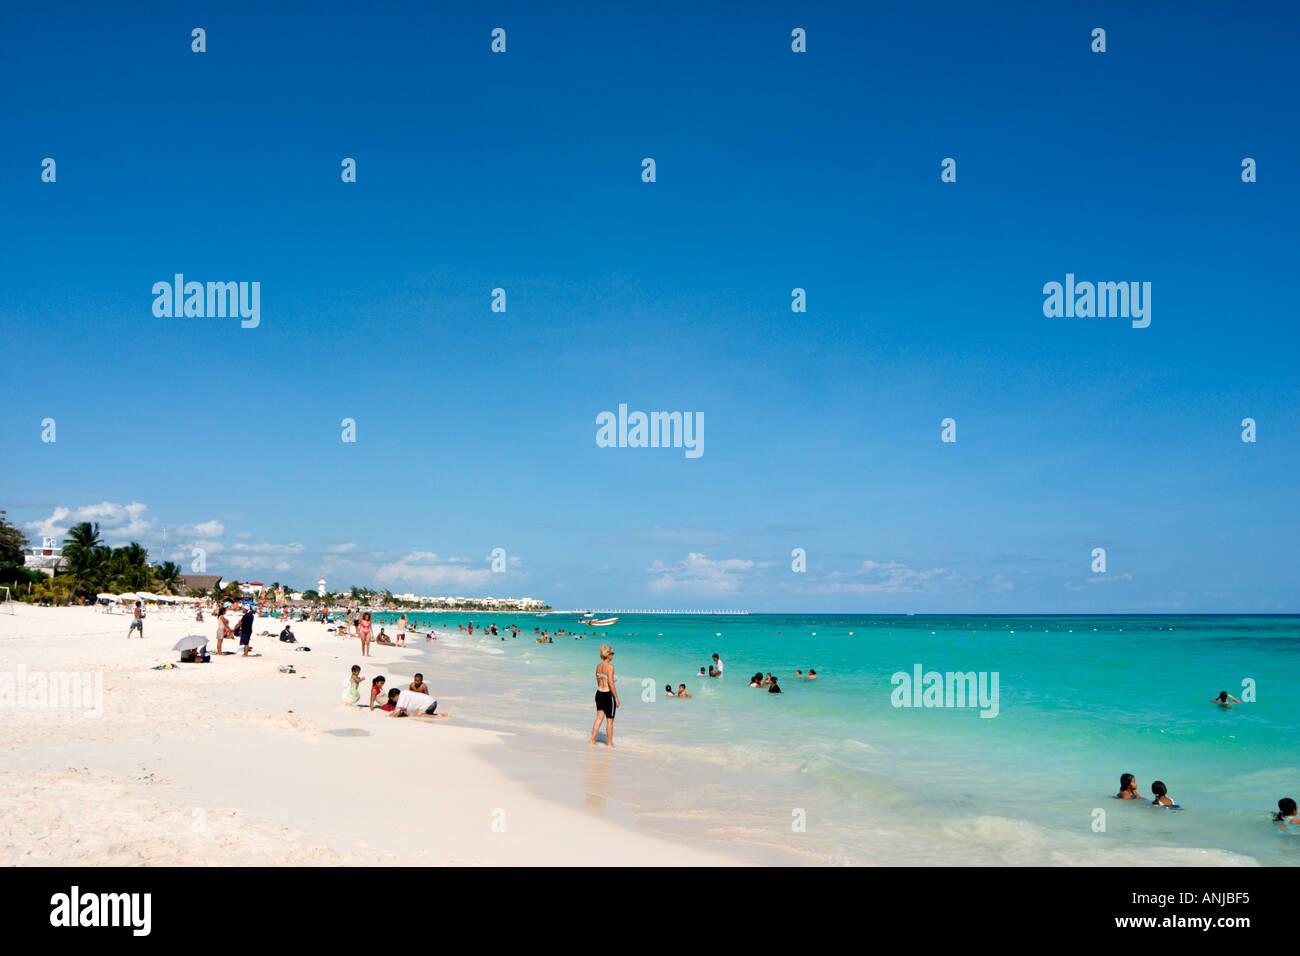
606 695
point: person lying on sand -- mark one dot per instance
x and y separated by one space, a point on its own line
405 703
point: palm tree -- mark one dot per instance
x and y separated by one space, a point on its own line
80 544
86 556
136 555
168 576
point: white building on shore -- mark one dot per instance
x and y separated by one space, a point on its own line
47 559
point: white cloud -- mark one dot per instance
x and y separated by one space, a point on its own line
890 577
425 569
206 529
118 523
698 573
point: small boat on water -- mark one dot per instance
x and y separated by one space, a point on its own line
597 621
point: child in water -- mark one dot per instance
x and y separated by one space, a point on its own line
1286 817
1128 787
1162 798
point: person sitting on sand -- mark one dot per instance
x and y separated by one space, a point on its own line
418 685
383 638
1128 788
1286 814
1225 699
681 691
287 635
352 689
376 688
1162 798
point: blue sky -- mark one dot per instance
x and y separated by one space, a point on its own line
775 170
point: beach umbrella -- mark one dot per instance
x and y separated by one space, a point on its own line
189 642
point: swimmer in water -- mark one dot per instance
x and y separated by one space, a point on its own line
1128 788
681 691
1162 795
1286 814
668 689
1225 699
812 674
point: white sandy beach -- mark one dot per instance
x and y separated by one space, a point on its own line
234 763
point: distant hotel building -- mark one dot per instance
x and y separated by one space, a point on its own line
46 559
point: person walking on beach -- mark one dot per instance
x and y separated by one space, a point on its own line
246 631
606 695
137 621
363 628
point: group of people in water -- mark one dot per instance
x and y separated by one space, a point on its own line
1286 817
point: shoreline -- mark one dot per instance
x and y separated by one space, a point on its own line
233 763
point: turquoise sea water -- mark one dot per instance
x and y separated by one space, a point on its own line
1080 700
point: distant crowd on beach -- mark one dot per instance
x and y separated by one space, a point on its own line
1285 818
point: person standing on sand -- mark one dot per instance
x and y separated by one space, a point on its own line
363 628
246 631
401 630
137 621
606 695
223 629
